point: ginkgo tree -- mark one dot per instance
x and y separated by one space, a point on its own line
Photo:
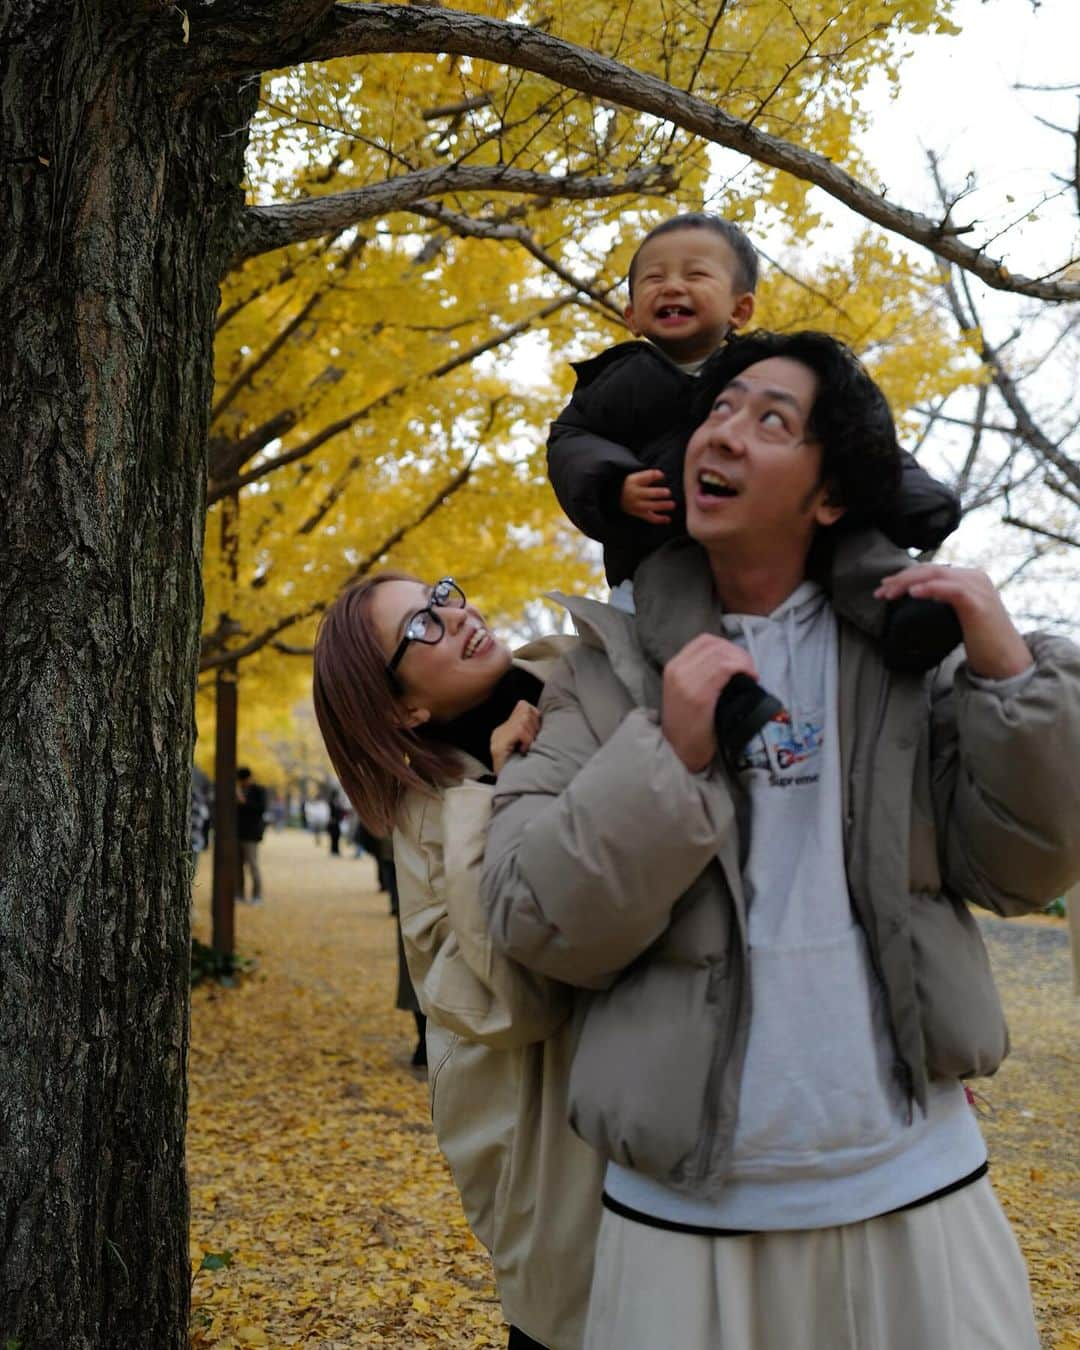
357 411
124 128
427 467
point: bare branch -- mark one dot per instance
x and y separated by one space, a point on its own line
1026 428
964 477
456 109
218 52
1063 490
1042 531
482 229
810 289
289 649
226 457
264 228
1047 88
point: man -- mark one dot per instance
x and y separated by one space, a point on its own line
250 824
786 984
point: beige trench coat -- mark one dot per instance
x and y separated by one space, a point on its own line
500 1045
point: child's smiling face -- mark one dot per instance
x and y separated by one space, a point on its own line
685 297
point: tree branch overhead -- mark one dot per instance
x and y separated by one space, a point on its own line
264 228
232 52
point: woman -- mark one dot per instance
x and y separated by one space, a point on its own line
420 706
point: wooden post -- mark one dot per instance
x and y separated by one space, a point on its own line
226 848
1072 909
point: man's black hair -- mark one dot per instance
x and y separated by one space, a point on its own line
243 773
746 259
860 455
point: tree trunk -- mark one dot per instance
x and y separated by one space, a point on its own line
120 198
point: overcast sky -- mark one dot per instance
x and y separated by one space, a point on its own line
959 96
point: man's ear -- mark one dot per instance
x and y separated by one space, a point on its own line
628 315
827 512
743 310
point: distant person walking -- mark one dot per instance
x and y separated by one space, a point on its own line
317 816
250 823
337 815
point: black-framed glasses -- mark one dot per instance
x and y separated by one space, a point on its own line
425 626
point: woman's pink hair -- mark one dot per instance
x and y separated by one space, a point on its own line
377 759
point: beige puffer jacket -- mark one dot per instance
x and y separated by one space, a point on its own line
612 867
500 1046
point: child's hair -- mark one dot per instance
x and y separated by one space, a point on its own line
860 455
376 758
746 259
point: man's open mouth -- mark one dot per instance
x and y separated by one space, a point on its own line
714 484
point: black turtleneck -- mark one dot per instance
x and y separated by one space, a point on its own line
471 731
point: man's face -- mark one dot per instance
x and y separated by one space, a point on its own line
685 297
751 475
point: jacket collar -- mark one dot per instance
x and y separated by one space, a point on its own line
612 631
640 645
675 598
540 656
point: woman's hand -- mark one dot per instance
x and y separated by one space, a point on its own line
995 649
517 733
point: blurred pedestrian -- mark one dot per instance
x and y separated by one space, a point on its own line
333 829
316 816
250 824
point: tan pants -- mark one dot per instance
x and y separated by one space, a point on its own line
945 1276
249 864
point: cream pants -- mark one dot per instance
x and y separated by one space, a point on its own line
945 1276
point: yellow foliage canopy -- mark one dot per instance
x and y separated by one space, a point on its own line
383 392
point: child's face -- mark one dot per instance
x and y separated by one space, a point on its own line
685 297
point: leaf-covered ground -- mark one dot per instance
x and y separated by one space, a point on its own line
313 1164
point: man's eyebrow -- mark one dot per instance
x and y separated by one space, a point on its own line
771 394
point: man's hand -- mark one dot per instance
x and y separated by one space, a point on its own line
644 495
693 680
995 650
517 733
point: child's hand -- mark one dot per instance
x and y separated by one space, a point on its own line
644 495
995 649
517 733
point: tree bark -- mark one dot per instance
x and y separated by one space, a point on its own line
120 199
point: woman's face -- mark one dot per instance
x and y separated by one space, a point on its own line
443 680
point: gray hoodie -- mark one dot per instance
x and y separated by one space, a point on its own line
823 1134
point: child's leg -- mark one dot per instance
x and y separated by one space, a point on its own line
916 635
